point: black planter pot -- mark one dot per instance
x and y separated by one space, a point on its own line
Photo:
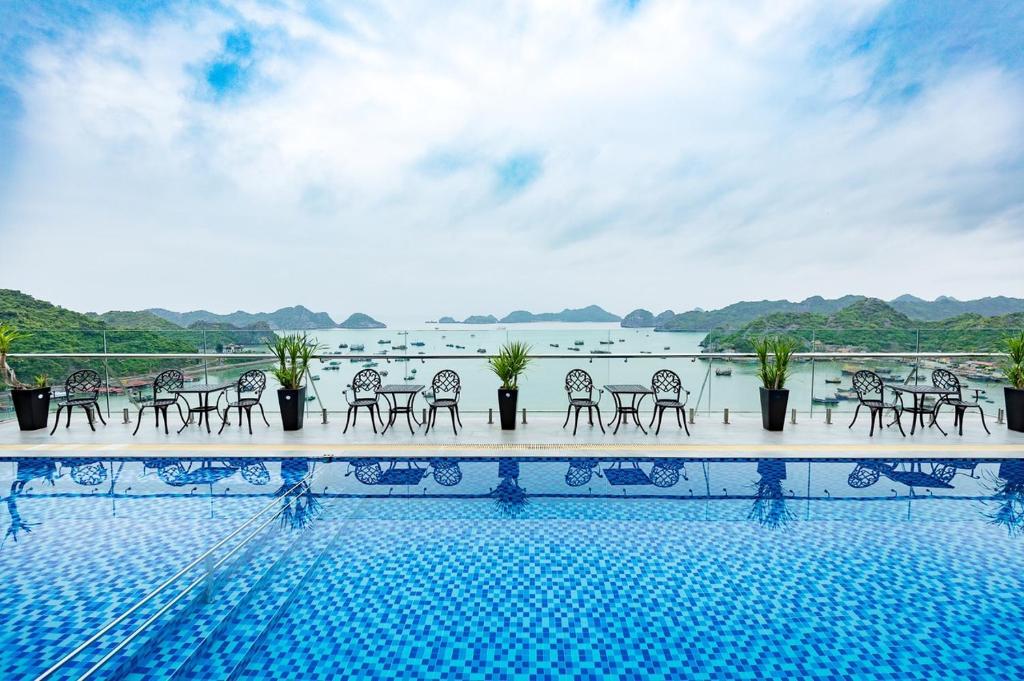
773 408
507 408
1014 409
32 407
293 407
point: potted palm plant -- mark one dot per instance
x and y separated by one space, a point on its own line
1014 393
293 353
31 402
773 355
508 365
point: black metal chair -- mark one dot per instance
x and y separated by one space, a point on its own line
579 387
81 389
445 390
248 391
365 381
668 394
867 384
948 381
165 382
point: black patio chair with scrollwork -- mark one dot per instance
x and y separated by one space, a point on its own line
868 384
579 387
668 394
445 389
248 391
947 380
81 389
163 385
364 388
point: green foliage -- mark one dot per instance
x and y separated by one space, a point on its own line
294 353
41 381
773 355
1014 368
510 363
8 334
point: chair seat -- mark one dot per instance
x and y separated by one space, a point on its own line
442 402
363 401
244 402
879 404
668 403
162 402
582 402
961 403
76 401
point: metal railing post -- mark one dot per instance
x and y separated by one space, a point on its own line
813 348
106 371
206 364
725 415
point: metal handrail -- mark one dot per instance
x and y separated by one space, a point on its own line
577 355
155 592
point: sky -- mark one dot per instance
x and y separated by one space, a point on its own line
412 159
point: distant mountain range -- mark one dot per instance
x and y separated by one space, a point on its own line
591 313
736 315
295 318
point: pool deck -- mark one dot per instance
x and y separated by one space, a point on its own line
542 436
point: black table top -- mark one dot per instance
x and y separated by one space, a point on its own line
202 388
400 388
920 389
628 388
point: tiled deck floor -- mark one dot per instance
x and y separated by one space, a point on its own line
541 436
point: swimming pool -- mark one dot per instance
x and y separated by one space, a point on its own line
503 568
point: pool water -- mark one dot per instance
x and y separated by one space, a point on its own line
520 569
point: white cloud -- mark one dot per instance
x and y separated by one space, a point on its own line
692 154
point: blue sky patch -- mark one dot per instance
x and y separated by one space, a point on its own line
517 172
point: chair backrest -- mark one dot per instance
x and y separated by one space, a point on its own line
85 381
666 381
946 380
167 381
365 381
446 382
252 381
867 383
579 381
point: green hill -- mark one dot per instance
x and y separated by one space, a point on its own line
295 318
874 326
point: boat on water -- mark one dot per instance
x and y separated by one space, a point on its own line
553 345
342 346
400 347
408 378
723 372
384 341
412 371
825 400
846 394
384 372
606 342
833 380
418 344
577 342
370 365
317 377
573 349
358 347
600 352
310 398
667 347
460 347
333 363
482 351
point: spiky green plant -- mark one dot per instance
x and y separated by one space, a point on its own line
8 334
774 354
293 353
1014 369
41 381
510 363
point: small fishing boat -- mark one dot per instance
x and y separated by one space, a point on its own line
310 398
553 345
482 351
833 400
342 346
418 344
573 349
600 352
384 372
400 347
723 372
384 341
667 347
606 342
359 347
317 377
370 365
577 342
834 380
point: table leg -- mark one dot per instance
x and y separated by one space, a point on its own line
206 411
636 413
913 416
618 409
412 399
408 413
391 414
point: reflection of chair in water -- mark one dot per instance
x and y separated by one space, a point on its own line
87 473
446 472
666 472
911 473
769 508
1007 506
178 474
619 476
581 471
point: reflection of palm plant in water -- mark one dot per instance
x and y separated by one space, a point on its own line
1007 508
769 508
27 471
508 495
301 506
